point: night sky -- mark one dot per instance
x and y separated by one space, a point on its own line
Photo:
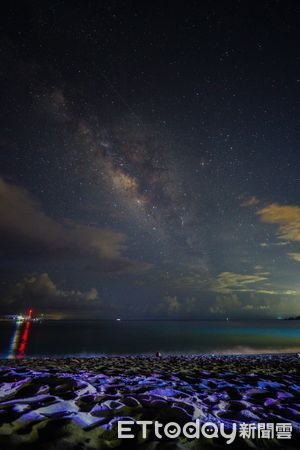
150 159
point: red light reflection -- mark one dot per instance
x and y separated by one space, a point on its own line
23 343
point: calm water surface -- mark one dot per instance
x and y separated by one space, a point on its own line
87 338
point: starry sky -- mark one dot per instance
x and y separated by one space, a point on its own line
150 159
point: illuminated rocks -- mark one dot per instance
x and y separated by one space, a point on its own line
8 390
59 409
86 420
77 403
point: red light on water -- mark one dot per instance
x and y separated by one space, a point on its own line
23 343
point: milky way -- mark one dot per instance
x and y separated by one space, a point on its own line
151 157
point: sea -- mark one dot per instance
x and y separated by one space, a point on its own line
143 337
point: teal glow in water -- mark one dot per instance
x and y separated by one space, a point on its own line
63 338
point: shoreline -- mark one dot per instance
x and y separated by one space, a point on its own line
164 355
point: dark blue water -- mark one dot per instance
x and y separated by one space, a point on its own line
86 338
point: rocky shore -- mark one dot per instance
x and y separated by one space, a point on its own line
76 403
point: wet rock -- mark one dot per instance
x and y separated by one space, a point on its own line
131 402
58 409
8 390
86 420
249 415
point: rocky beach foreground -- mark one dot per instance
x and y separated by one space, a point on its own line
76 403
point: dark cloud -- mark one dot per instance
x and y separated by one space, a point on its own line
27 229
173 306
41 293
255 305
233 305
